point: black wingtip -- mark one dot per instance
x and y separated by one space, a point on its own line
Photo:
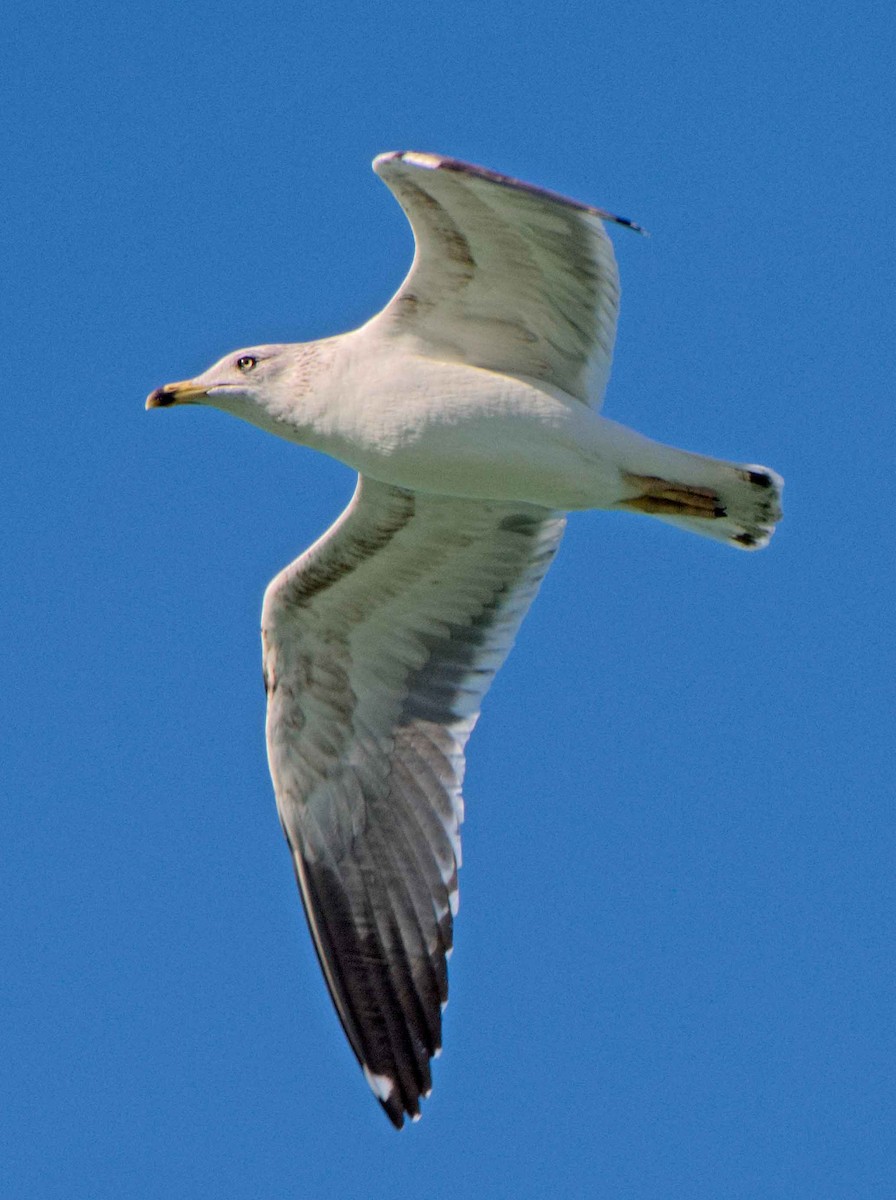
394 1111
633 225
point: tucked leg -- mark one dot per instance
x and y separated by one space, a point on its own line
663 497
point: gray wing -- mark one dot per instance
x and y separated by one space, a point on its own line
379 644
505 276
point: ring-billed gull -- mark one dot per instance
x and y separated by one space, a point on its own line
469 407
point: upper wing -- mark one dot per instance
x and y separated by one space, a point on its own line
379 644
505 276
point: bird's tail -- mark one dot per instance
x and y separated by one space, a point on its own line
731 502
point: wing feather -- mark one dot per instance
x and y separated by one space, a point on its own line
506 276
379 644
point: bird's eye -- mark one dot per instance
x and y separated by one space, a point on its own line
246 363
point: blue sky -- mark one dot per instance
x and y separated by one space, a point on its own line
674 949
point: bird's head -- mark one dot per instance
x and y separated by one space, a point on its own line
239 382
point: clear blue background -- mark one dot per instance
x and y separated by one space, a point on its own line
674 950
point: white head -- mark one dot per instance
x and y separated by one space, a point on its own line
233 379
261 384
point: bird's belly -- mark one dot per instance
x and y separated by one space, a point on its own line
465 432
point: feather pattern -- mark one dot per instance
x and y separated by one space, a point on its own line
505 276
379 645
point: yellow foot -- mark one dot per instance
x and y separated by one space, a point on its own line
656 495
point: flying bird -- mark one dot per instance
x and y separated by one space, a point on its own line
470 408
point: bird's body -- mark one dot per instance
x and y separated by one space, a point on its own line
469 408
459 430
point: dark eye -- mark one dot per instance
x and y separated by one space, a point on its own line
246 363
